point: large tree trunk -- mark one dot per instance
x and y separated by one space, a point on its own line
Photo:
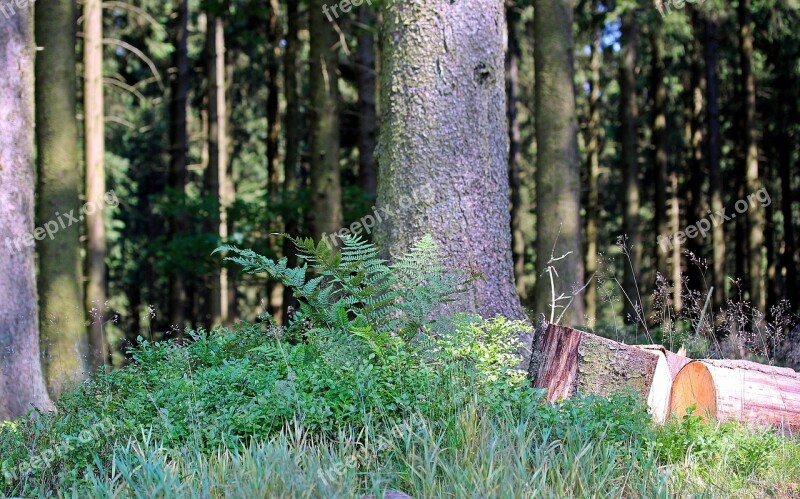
64 337
515 153
443 152
629 122
593 172
326 189
367 95
21 382
558 194
179 144
217 172
94 137
714 154
755 219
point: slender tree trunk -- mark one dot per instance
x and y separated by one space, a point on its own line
179 144
367 95
629 119
593 175
217 172
755 219
514 157
273 114
675 226
21 382
326 190
443 147
94 136
293 123
558 194
659 148
64 337
714 154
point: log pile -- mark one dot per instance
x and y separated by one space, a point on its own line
566 361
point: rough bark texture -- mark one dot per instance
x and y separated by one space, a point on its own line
566 361
744 391
558 225
755 218
179 145
21 382
326 188
94 137
64 337
217 172
443 152
367 95
629 122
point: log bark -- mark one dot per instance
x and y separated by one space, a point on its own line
566 361
739 390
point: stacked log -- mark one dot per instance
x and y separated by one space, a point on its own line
739 390
566 361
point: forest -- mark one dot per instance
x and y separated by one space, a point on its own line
400 248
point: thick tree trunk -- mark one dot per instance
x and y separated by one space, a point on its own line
179 145
558 193
366 75
743 391
629 121
515 155
94 137
713 157
593 175
755 219
326 189
566 361
64 337
21 383
217 172
443 152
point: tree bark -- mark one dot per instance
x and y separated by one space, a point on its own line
217 172
629 119
273 114
558 194
179 145
515 155
443 147
659 147
326 190
64 337
21 382
755 219
94 137
593 174
366 74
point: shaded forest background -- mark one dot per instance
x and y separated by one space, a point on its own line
231 122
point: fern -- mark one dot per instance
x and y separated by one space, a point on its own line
357 294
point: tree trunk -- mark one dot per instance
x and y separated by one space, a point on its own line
743 391
593 173
94 137
367 94
21 382
273 114
326 189
714 154
558 194
179 144
659 148
217 172
64 337
629 119
566 361
515 156
443 151
755 219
